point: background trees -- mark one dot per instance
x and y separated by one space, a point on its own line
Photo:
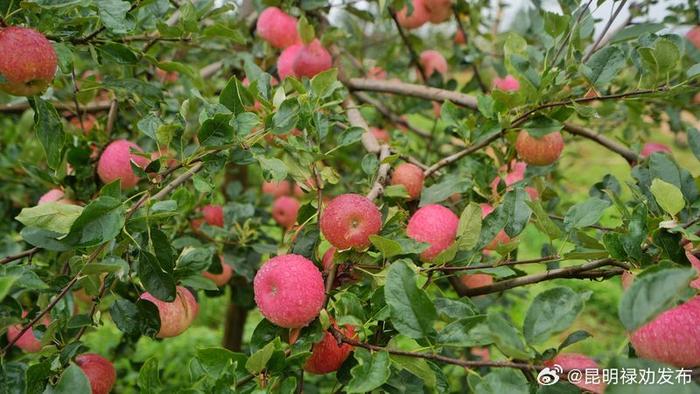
459 197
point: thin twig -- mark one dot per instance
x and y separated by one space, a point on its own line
595 46
545 259
571 32
595 226
415 59
111 116
78 112
26 253
627 154
89 108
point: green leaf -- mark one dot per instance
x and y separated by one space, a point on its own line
652 294
541 125
574 337
235 96
72 381
552 311
156 281
585 213
306 30
216 131
443 190
217 361
6 283
149 380
137 319
459 332
372 371
258 360
503 380
49 129
417 366
350 136
324 83
506 337
668 196
388 247
273 166
117 53
101 220
52 216
286 116
694 141
667 55
412 311
516 210
693 71
469 227
603 66
113 14
634 31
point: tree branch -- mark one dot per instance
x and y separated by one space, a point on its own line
586 271
409 89
382 174
627 154
341 338
26 253
414 55
595 46
90 108
545 259
475 68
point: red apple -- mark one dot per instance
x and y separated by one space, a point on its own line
285 210
439 10
312 59
694 36
277 188
539 151
473 281
433 224
222 278
410 176
55 195
285 62
651 147
213 214
507 84
327 356
349 220
569 361
175 316
99 371
289 291
433 61
115 163
417 18
28 63
376 72
277 28
382 136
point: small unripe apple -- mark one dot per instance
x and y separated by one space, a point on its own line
28 62
439 10
376 72
99 371
312 59
278 28
433 61
277 189
507 84
382 136
473 281
175 316
285 210
222 278
673 337
435 225
349 220
285 62
289 291
501 237
417 18
55 195
651 147
115 163
539 151
569 361
694 36
213 214
411 177
327 356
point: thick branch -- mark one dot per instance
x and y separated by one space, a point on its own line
409 89
627 154
369 141
464 152
382 174
580 271
341 338
367 99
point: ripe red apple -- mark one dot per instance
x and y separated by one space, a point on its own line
312 59
694 36
213 214
28 61
376 72
285 63
382 136
501 237
473 281
115 163
569 361
99 371
459 38
417 18
539 151
507 84
327 356
285 210
221 278
175 316
277 189
433 61
651 147
55 195
673 337
695 262
411 177
289 291
349 220
435 225
278 28
439 10
515 174
28 342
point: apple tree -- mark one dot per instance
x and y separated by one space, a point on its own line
372 196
